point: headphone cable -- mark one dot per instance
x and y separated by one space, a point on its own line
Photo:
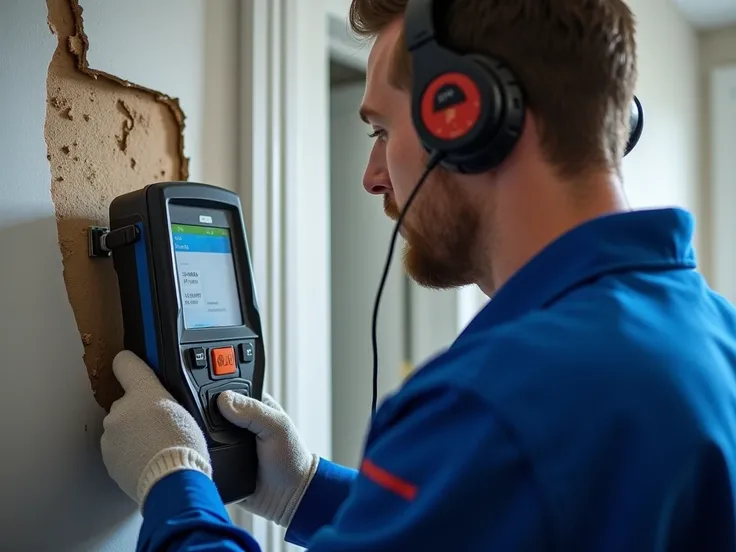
434 160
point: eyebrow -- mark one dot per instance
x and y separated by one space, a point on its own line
366 113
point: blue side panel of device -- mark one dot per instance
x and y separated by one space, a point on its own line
144 289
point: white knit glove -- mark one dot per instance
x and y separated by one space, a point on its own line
147 434
285 465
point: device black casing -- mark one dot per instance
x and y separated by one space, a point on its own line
154 327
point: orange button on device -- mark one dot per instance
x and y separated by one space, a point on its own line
223 361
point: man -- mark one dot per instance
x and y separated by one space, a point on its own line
591 405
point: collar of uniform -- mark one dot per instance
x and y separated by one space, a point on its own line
633 240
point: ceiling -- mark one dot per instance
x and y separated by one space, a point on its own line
708 14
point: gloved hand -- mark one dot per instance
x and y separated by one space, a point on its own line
285 465
147 434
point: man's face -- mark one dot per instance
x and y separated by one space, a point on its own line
441 226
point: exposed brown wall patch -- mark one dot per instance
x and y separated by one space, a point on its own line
105 137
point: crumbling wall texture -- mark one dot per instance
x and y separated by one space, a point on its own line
105 137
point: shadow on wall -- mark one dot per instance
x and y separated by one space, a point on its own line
61 491
105 137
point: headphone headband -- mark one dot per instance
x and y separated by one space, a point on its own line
419 23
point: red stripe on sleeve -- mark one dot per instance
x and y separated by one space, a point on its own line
388 481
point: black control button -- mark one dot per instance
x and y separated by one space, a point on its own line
215 414
247 352
208 397
198 356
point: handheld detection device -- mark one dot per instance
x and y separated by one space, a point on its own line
189 308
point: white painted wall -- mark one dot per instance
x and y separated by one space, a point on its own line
337 8
160 45
52 475
664 169
708 14
221 127
723 190
717 49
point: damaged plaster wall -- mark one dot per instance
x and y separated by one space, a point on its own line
105 137
56 494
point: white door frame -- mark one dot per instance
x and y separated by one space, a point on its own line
285 195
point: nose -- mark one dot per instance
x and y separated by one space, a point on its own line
377 185
375 179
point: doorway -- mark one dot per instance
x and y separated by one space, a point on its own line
360 234
414 323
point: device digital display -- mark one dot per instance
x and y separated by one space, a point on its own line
206 273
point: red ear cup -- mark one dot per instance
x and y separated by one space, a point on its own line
451 106
472 113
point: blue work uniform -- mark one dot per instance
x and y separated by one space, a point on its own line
591 405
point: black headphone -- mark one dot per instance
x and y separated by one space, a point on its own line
487 100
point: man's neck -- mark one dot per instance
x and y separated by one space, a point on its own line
527 218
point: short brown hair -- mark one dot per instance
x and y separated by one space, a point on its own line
576 60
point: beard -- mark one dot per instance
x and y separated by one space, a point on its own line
441 230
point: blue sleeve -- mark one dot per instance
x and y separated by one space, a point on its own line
440 472
184 513
327 491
